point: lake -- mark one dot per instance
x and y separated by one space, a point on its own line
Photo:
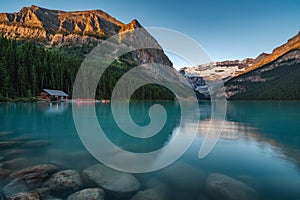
256 157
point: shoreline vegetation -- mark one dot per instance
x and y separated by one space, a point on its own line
35 100
18 99
26 69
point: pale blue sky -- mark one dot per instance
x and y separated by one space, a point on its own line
232 29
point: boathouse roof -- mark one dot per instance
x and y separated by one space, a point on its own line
56 93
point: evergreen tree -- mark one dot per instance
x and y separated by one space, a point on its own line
21 83
3 80
26 69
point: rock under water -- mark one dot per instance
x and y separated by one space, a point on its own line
110 179
220 186
88 194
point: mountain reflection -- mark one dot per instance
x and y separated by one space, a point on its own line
271 125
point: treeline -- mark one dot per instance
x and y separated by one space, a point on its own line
25 69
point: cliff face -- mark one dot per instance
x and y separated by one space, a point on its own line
47 25
59 28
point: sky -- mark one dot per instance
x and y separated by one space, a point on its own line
226 29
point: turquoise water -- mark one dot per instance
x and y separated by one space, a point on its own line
259 145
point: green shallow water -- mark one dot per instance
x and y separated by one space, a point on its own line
259 145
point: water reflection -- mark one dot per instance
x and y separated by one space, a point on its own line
259 145
54 107
275 123
139 114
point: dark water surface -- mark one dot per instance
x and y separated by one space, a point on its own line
259 147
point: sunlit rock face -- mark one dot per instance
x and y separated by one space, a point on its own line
76 29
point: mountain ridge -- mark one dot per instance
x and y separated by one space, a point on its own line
277 80
273 76
49 45
56 21
76 29
292 44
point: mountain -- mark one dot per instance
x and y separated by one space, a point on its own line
222 70
72 30
267 77
292 44
272 76
198 75
58 27
42 48
277 80
218 70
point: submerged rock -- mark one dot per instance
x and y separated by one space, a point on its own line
220 186
4 173
37 169
14 187
110 179
88 194
36 174
150 194
68 180
37 194
28 179
43 192
25 196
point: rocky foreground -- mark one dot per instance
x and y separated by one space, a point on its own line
25 178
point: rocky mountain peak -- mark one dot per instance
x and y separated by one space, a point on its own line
72 28
135 23
94 23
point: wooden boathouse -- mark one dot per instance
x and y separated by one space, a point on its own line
53 95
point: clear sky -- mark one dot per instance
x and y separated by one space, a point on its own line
227 29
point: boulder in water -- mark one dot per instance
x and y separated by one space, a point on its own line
66 181
14 187
37 171
28 179
110 179
220 186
